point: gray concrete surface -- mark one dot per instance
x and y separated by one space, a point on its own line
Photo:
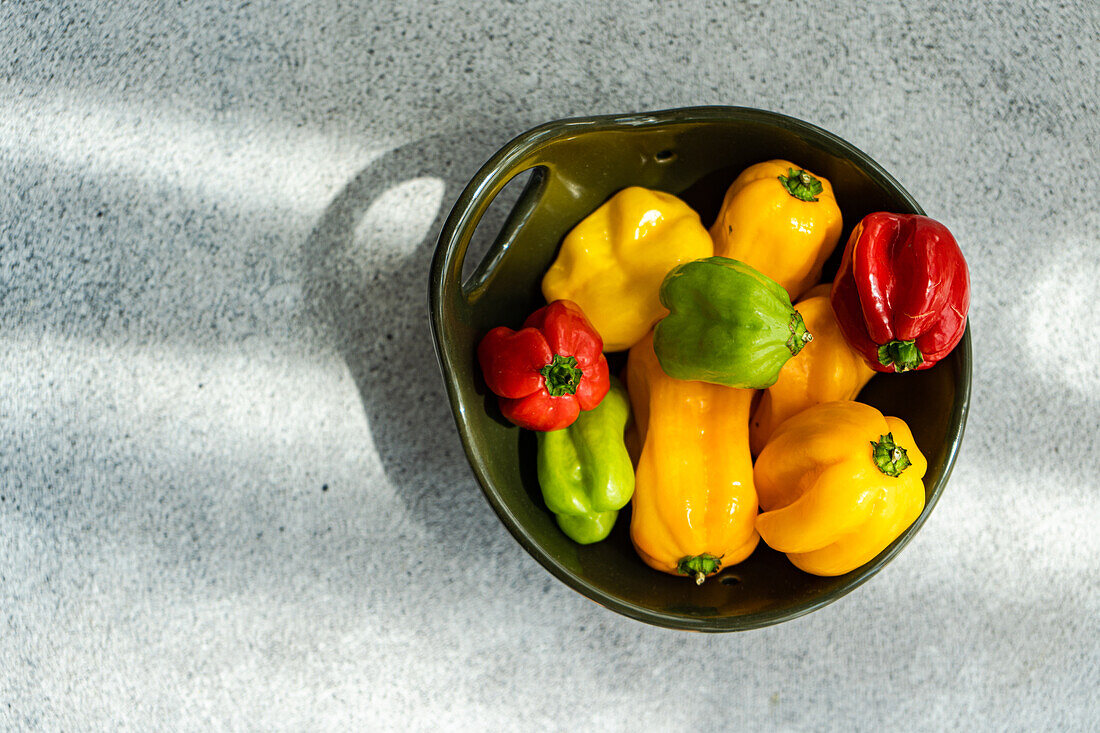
232 494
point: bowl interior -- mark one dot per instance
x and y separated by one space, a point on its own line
696 154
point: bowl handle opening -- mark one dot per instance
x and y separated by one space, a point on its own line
472 203
521 211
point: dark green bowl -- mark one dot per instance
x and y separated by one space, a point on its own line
694 153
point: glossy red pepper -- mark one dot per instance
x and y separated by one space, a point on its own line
902 292
548 371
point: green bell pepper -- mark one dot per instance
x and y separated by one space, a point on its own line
585 471
727 324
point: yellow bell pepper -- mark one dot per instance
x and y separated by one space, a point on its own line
694 501
780 219
826 369
613 262
837 484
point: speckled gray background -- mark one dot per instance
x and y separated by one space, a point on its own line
232 494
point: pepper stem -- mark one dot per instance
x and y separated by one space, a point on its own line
562 375
699 566
799 335
889 457
800 184
904 355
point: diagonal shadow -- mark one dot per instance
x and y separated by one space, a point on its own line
378 321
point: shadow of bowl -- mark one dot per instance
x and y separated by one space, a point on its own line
364 267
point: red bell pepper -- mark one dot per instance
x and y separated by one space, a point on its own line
902 292
548 371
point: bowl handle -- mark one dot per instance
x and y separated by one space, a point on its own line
521 211
458 230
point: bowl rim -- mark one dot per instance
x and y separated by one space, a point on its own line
519 148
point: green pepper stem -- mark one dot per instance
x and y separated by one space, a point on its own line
889 457
904 355
699 566
801 185
562 375
799 335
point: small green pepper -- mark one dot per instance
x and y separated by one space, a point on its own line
585 471
727 324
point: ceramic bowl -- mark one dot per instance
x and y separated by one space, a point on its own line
694 153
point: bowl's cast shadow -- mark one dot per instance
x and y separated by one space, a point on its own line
378 321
